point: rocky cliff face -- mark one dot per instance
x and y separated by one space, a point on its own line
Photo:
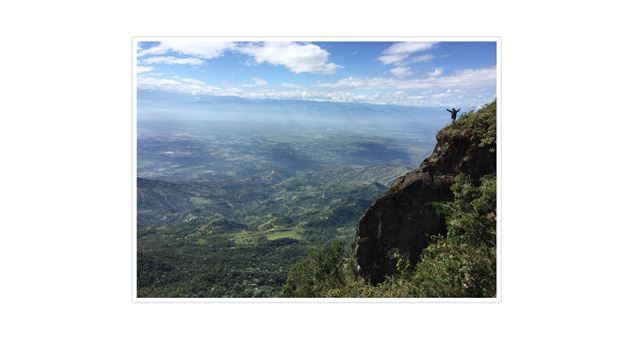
404 219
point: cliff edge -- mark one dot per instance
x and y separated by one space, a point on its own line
403 220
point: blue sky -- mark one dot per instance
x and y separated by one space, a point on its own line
460 74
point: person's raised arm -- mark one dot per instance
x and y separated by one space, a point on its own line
448 110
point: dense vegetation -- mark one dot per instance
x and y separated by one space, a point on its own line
461 263
239 238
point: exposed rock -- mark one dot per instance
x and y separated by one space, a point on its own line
404 219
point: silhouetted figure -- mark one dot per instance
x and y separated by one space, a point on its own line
454 113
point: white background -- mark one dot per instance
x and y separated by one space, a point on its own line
569 184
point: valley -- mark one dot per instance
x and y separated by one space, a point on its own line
225 208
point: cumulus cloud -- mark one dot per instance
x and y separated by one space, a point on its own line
144 69
298 58
436 72
185 85
408 47
392 59
463 79
421 58
410 96
172 60
204 49
399 52
398 86
401 71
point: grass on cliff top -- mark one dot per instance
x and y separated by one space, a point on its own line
482 123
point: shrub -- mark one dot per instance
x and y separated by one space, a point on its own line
471 216
321 271
450 269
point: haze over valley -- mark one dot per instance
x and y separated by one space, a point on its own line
232 191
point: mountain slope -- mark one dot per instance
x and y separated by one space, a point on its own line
404 219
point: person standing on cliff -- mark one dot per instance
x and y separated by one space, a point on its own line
454 113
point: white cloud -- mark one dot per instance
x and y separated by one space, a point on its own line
192 81
399 52
467 78
401 71
172 60
462 87
436 72
408 47
392 59
425 97
144 69
259 82
421 58
463 79
185 85
444 94
197 87
291 86
298 58
204 49
468 87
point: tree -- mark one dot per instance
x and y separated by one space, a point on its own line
321 271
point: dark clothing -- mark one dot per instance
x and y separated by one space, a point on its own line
454 113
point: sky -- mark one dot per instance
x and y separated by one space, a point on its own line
458 74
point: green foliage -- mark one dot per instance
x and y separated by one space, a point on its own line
321 271
462 264
446 269
471 216
191 270
482 123
213 249
402 263
453 269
